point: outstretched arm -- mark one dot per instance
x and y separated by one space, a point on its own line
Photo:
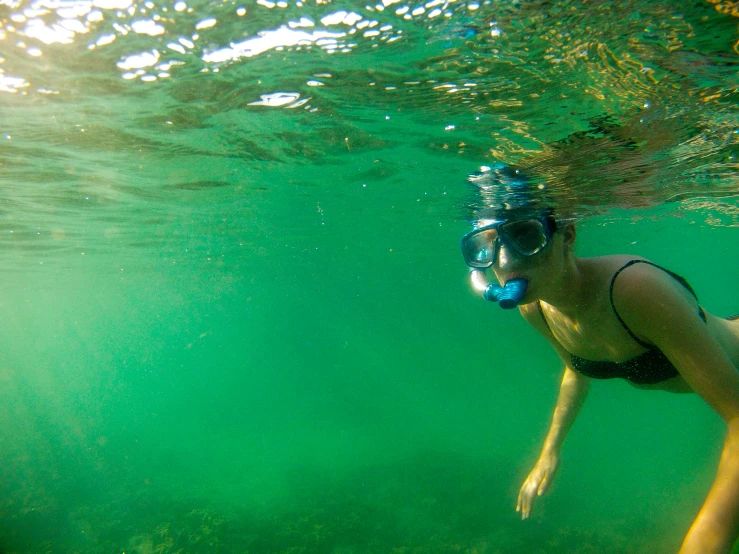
572 393
715 528
659 312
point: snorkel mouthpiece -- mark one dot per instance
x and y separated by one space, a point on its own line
507 297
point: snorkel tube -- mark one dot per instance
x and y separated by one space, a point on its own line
507 296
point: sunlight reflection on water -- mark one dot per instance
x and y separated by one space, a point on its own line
612 106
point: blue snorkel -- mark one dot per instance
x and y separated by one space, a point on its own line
507 297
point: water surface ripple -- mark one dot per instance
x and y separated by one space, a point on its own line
116 113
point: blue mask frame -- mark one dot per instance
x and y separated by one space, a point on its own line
525 237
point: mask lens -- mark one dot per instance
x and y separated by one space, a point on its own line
478 247
528 237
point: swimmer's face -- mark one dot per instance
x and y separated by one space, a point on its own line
540 269
509 264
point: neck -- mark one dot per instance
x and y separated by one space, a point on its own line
570 291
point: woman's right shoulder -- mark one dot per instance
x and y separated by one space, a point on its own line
531 312
533 315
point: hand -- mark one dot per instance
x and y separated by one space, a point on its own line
537 483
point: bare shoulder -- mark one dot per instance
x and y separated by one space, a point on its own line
532 315
645 294
535 318
646 279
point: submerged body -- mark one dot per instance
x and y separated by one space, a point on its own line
609 313
599 329
608 317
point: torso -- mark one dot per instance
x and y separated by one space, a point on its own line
595 333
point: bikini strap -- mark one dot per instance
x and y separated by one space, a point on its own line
541 311
610 294
672 274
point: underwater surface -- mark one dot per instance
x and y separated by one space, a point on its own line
233 312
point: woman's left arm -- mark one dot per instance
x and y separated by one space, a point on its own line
657 310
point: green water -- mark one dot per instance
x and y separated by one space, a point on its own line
230 327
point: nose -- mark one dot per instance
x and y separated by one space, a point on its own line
504 257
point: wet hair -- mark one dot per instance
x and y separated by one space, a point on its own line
505 192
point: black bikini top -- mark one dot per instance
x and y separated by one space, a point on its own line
647 368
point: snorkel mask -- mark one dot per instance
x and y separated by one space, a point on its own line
509 219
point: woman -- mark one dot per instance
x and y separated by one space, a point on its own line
609 317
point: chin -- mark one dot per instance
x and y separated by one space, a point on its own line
529 297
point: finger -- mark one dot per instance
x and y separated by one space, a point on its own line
521 495
526 508
520 498
526 511
521 504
